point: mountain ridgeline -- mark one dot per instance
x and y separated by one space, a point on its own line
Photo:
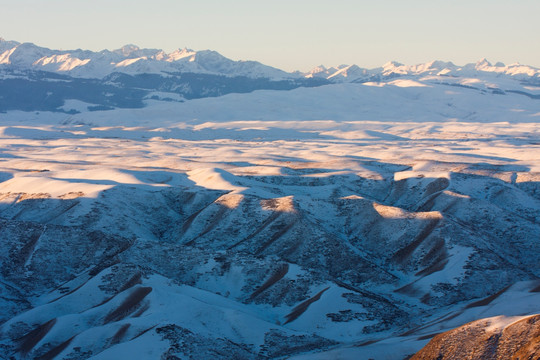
34 78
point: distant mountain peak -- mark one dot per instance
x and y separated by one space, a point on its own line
440 64
3 40
483 62
392 63
185 50
180 54
127 50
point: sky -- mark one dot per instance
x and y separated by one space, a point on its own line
289 34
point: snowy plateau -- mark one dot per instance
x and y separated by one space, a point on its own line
187 206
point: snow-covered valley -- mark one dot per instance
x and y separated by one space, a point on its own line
350 221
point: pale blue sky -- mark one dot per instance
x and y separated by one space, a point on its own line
289 34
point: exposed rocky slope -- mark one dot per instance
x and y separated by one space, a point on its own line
486 340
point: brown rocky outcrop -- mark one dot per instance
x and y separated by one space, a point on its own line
489 339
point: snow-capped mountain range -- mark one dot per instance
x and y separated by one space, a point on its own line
131 59
34 78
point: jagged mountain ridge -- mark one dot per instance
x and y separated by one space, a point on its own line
131 59
34 78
